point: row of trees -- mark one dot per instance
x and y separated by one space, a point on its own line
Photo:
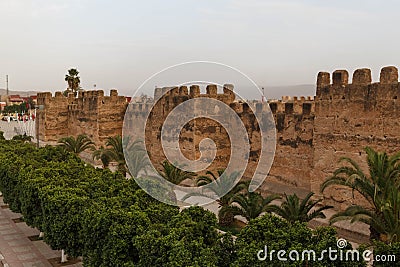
238 202
250 205
380 188
110 221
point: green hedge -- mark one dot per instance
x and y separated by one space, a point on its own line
110 221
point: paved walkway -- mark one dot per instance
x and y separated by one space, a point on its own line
16 249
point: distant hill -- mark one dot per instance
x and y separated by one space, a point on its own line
21 93
276 92
271 92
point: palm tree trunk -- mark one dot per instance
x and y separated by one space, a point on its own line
226 220
374 234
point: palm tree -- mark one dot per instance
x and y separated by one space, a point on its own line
293 210
173 174
22 137
380 189
73 80
222 182
78 145
137 158
115 152
249 205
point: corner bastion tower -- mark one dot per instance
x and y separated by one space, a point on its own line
313 133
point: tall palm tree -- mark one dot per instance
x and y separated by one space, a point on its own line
78 145
249 205
292 209
222 182
73 80
380 189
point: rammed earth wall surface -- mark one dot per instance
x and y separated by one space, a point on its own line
313 133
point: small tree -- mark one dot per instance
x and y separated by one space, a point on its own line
270 233
22 138
380 187
78 145
222 181
173 174
294 210
249 205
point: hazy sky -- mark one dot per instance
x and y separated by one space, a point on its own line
119 44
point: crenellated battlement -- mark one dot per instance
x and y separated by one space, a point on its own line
293 105
87 112
347 113
361 88
81 98
180 94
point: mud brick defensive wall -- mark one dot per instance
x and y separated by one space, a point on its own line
313 133
91 113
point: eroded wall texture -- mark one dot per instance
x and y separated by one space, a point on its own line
312 133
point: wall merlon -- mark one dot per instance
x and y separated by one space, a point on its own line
100 93
389 75
212 90
183 90
59 95
362 77
340 78
228 88
194 90
174 91
323 79
229 93
113 93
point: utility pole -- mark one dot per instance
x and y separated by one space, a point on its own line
37 128
7 85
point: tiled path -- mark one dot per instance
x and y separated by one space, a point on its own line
16 249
